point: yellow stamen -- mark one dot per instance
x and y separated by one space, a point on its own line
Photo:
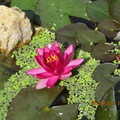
51 58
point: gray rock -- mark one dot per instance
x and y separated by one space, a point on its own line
15 29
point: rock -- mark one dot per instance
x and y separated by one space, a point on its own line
15 28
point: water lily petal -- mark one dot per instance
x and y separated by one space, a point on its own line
41 62
75 63
68 54
66 70
41 83
40 51
50 46
52 81
43 75
35 71
58 64
46 49
55 45
65 76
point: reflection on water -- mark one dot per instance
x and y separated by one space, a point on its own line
7 68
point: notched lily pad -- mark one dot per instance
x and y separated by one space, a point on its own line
31 104
109 28
101 52
56 12
102 75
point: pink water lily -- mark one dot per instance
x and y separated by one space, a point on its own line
53 65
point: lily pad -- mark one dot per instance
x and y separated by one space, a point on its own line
102 75
68 33
114 8
101 52
109 28
98 10
108 110
87 38
26 5
31 104
56 12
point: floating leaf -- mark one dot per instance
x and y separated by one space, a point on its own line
109 28
108 110
95 12
87 38
56 12
26 5
114 8
102 75
31 104
67 33
101 52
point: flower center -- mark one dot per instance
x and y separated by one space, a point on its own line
51 58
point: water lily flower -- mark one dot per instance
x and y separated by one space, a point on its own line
53 65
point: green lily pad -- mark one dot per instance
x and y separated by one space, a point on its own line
56 12
26 5
87 38
98 10
80 34
109 28
31 104
108 110
101 52
114 8
102 75
68 33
